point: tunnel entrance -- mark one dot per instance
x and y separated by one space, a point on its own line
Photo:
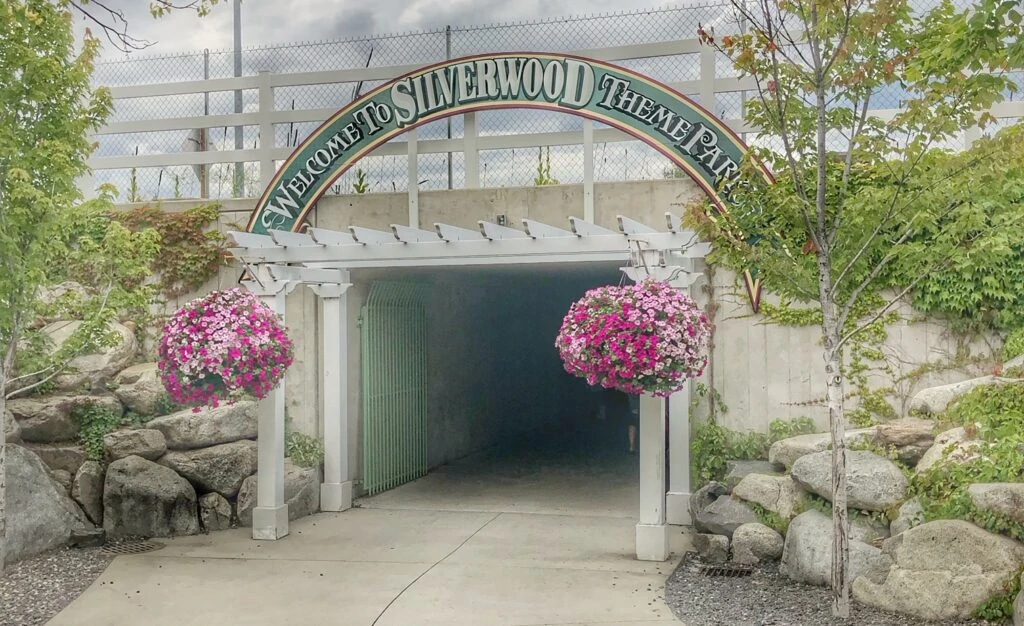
479 401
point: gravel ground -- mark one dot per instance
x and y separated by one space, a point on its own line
34 590
767 598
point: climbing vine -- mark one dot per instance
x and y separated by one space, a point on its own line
191 252
95 421
1013 347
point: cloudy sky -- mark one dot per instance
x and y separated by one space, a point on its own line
266 22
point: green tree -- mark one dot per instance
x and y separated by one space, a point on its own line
48 231
861 204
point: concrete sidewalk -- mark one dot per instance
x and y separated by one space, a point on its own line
390 567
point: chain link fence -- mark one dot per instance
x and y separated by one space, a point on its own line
630 160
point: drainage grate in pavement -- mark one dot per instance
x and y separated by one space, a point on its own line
132 547
728 570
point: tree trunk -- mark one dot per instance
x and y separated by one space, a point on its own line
3 467
840 516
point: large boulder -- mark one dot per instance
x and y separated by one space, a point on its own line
301 493
1004 499
952 446
148 443
217 468
68 291
67 456
711 548
873 483
807 554
63 480
48 419
12 429
778 494
40 516
935 400
940 570
92 371
723 516
755 543
87 490
145 499
186 430
910 437
139 388
911 514
735 471
705 497
784 453
214 512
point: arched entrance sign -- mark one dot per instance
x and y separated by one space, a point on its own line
690 136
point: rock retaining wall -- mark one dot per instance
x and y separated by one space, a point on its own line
177 474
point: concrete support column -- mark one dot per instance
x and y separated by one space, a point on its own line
336 490
270 517
652 531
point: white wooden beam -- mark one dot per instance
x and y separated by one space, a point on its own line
451 233
331 237
540 230
252 240
413 188
371 236
584 228
674 222
307 275
407 234
633 227
588 169
289 239
545 241
496 231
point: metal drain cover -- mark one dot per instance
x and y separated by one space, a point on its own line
727 570
132 547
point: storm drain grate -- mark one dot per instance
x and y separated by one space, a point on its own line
132 547
728 570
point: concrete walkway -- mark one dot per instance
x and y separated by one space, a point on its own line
460 547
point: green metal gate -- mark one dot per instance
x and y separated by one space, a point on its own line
393 333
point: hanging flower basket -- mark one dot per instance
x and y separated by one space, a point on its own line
643 338
223 346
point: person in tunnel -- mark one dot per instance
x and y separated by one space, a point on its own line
621 408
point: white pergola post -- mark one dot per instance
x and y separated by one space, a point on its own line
664 499
270 517
652 530
678 498
336 490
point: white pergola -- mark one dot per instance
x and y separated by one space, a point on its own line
322 259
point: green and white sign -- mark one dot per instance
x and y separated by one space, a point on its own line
691 137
